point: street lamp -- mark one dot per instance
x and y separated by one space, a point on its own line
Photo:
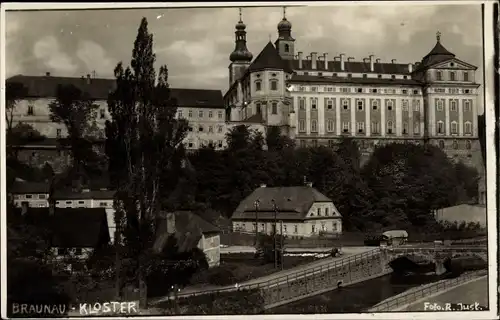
275 208
256 204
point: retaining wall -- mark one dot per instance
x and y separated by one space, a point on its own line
321 281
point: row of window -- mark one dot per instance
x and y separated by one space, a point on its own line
390 127
295 227
453 103
452 75
453 90
273 85
360 126
454 127
360 90
201 114
209 143
31 196
332 144
201 128
274 107
360 104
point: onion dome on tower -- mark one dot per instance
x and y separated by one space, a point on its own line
240 52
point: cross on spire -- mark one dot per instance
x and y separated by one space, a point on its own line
438 36
240 14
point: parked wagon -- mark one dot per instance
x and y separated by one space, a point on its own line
395 237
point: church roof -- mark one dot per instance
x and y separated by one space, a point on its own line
438 54
269 58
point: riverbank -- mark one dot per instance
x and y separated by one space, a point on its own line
424 292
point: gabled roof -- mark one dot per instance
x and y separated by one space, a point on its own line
99 89
269 58
189 228
292 202
29 187
353 80
70 227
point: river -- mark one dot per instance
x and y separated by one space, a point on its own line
357 297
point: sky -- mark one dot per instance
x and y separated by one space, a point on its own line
195 43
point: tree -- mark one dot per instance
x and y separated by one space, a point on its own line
142 139
76 110
14 92
408 182
276 141
468 179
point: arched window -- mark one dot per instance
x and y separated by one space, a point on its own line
454 127
441 144
390 127
440 127
314 126
405 127
330 125
287 48
468 127
452 76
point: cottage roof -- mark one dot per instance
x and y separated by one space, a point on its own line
293 203
189 228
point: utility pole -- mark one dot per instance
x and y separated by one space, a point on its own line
275 232
282 251
256 203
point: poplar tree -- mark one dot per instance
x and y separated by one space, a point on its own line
143 137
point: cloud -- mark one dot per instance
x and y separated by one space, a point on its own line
95 58
197 54
47 50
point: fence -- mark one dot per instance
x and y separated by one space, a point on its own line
264 285
237 238
413 295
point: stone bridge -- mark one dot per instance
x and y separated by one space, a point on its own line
436 255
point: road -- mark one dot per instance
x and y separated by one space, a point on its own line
249 249
347 252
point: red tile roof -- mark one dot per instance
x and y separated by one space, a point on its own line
46 87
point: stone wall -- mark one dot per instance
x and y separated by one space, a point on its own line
324 279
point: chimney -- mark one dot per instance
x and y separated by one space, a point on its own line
300 59
171 223
377 61
47 74
263 185
24 208
342 61
314 59
350 59
88 78
372 63
410 67
393 61
325 57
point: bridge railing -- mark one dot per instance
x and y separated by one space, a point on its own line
287 278
412 296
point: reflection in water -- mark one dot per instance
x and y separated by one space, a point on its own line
357 297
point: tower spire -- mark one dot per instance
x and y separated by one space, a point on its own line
438 36
240 52
284 13
240 15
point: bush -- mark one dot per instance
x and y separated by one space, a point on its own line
221 276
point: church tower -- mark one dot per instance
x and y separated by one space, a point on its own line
240 57
285 43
